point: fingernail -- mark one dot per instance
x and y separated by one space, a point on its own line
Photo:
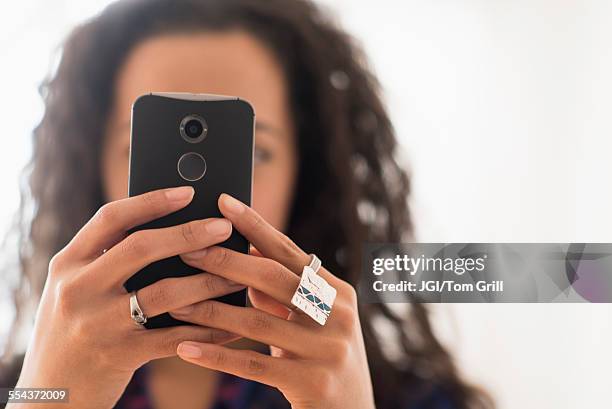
218 227
189 350
183 310
179 194
196 255
233 205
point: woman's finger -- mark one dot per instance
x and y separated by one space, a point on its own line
163 342
110 223
172 293
276 372
144 247
269 241
254 324
254 252
264 302
262 273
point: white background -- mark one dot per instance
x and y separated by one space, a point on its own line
503 109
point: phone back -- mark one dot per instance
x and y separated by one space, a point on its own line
220 160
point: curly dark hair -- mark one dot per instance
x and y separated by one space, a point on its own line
342 125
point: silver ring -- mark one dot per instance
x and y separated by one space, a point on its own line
136 313
315 263
314 296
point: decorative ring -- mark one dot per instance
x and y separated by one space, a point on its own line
315 263
136 313
314 296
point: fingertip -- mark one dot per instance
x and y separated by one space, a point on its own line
254 252
180 194
219 227
231 205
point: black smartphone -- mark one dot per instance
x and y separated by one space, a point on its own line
201 140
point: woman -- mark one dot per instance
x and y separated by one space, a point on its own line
325 176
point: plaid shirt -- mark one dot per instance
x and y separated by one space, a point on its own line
232 393
237 393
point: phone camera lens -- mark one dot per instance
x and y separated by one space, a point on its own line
193 128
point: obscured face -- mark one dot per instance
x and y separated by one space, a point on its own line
228 63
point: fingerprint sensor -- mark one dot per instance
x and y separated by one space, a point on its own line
191 166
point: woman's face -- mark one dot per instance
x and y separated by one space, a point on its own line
227 63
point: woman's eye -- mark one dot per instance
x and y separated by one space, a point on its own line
262 155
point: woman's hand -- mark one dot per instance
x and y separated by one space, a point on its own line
84 337
314 366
